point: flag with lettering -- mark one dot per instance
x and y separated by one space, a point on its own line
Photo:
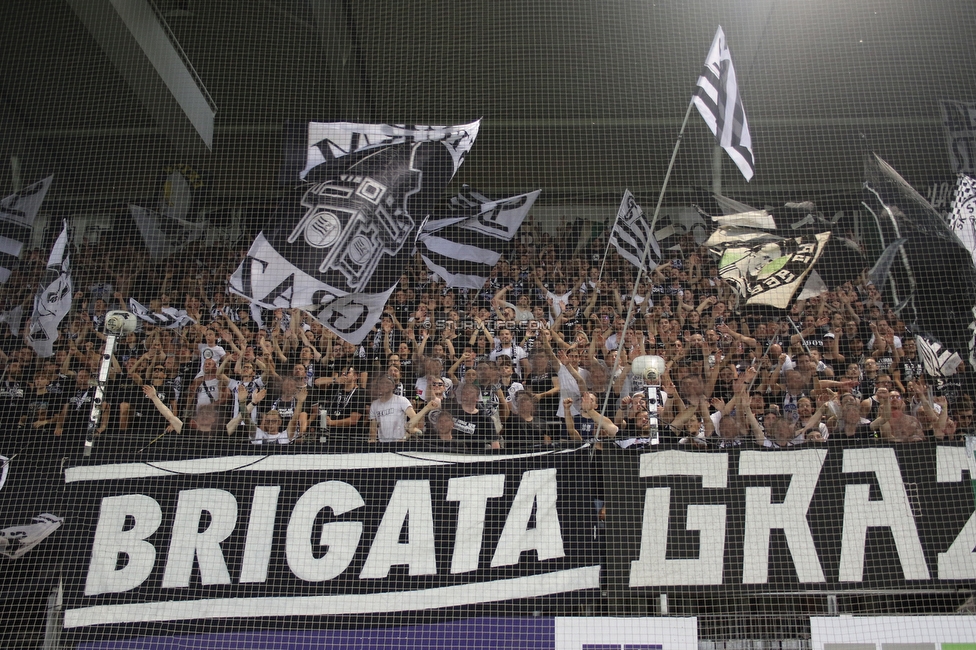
771 273
310 144
463 244
959 119
53 301
17 214
337 245
717 99
631 234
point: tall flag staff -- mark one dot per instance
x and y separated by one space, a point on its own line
717 99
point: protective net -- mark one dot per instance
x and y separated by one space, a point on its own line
481 325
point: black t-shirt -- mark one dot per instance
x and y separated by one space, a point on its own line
540 383
340 404
12 401
79 409
473 428
46 406
519 433
910 370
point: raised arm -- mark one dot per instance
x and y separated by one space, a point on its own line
175 422
295 420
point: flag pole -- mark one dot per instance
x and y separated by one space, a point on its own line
606 251
640 271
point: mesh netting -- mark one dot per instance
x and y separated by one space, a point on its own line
534 325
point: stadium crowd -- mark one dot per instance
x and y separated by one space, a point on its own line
528 360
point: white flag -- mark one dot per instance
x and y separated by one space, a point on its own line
717 99
13 317
53 302
164 234
17 214
169 317
631 234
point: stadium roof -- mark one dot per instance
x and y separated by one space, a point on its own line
582 99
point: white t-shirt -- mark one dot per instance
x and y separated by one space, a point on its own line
390 417
564 298
254 385
208 391
262 437
214 352
569 388
520 314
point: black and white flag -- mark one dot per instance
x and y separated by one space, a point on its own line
167 317
13 318
182 190
17 214
932 293
53 301
163 234
311 144
462 245
717 99
963 217
937 359
631 234
959 119
338 244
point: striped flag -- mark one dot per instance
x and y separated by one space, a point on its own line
462 245
631 233
938 360
168 317
17 213
717 99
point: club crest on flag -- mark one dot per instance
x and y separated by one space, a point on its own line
350 222
338 244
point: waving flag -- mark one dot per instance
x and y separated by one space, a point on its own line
17 214
337 246
169 317
631 234
963 217
462 245
53 302
717 99
164 234
931 283
310 144
771 273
